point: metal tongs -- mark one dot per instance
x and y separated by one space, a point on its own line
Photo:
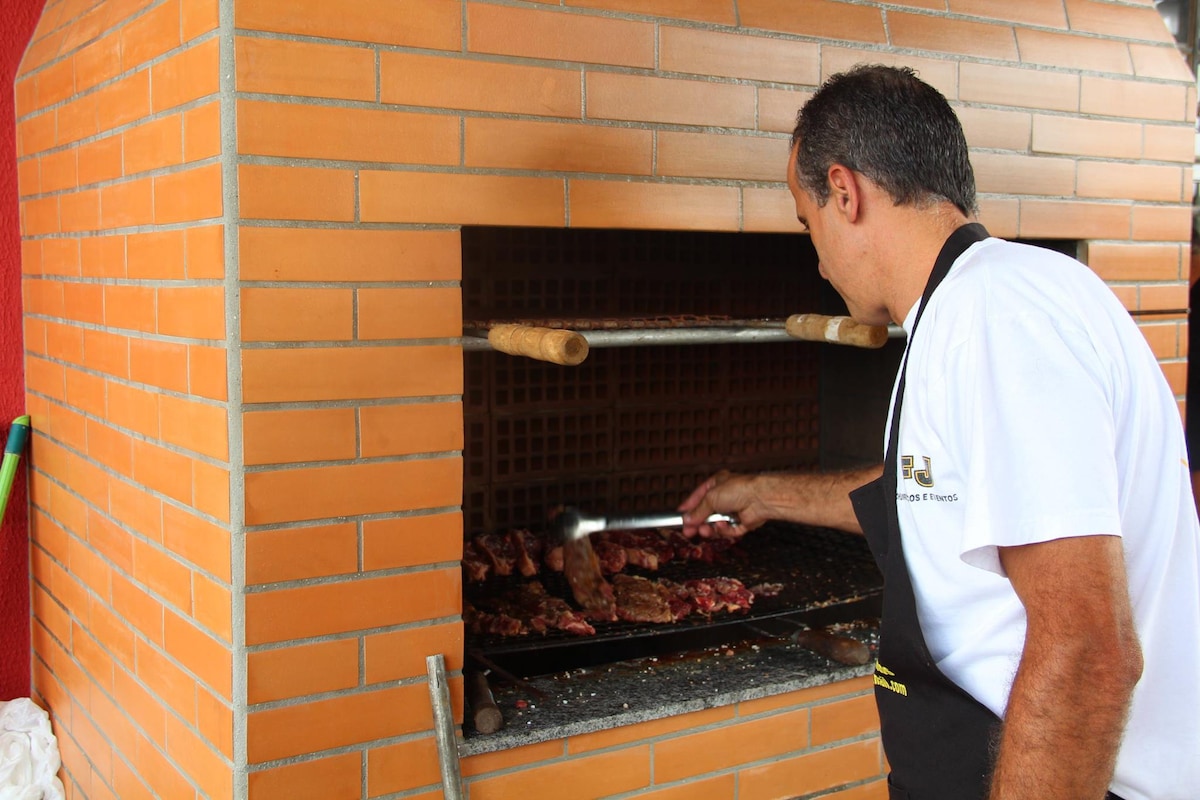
571 524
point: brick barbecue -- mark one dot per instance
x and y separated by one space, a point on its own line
244 225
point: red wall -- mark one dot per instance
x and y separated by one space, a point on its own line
20 18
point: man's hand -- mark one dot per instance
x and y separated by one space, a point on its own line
1081 661
821 499
724 493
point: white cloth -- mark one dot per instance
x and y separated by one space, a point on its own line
1035 410
29 759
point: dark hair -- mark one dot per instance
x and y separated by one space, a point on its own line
892 127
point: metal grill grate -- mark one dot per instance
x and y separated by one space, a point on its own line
819 570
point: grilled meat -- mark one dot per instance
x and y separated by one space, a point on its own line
585 563
629 598
476 564
678 598
484 622
581 567
522 551
706 550
611 555
645 549
713 595
642 600
554 558
538 611
499 551
528 549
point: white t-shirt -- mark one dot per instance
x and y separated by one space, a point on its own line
1035 410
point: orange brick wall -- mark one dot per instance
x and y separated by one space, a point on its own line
794 744
235 591
126 379
791 745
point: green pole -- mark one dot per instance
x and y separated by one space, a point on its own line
17 435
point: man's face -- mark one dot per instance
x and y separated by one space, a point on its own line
822 224
842 241
808 213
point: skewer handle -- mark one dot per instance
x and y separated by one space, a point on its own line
544 344
835 647
484 711
838 330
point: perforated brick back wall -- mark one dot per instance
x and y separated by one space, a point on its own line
632 429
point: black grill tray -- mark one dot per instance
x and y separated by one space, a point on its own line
827 576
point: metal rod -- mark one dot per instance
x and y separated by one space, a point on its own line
646 337
571 524
443 727
477 655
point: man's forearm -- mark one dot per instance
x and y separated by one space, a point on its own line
1062 730
819 499
1081 660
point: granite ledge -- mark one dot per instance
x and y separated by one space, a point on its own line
626 693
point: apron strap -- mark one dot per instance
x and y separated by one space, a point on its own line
958 242
937 737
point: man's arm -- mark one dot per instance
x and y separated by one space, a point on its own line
811 498
1080 663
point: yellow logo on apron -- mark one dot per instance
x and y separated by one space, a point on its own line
883 677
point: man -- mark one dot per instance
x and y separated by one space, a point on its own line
1034 519
1191 422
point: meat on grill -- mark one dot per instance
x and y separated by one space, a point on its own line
678 598
499 552
542 612
518 550
642 600
528 549
645 549
713 595
476 564
650 549
631 598
554 558
496 624
522 551
706 550
581 568
612 556
585 563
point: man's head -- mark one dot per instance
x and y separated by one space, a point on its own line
895 129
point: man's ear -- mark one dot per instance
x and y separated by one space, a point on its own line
844 191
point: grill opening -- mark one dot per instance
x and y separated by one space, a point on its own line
636 429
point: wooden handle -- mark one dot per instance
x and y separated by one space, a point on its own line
841 649
545 344
484 711
839 330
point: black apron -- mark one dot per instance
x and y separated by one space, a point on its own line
939 740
